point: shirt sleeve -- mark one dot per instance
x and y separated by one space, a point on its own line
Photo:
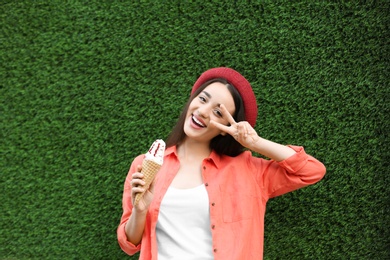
127 206
297 171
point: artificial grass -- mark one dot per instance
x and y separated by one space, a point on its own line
85 86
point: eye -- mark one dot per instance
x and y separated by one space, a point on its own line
218 113
202 98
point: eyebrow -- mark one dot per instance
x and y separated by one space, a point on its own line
207 94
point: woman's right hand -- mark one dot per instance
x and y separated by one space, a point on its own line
135 225
137 186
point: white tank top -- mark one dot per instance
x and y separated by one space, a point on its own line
183 225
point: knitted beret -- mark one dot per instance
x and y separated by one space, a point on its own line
239 82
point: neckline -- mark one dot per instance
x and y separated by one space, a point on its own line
187 189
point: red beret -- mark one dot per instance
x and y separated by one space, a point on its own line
239 82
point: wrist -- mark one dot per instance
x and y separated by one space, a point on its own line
140 212
256 144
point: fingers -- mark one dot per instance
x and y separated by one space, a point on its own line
138 185
240 131
243 129
226 115
229 118
244 132
223 128
137 181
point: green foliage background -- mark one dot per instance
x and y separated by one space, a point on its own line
85 86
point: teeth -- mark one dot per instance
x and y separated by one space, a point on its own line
198 122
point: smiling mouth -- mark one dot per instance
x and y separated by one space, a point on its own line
197 122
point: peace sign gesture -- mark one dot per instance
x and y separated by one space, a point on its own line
242 131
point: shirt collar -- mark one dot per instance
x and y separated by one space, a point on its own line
214 157
171 150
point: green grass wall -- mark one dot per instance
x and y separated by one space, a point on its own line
85 86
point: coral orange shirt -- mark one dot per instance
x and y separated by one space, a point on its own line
238 189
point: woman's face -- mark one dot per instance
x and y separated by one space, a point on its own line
204 108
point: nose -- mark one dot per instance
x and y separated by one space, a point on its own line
204 111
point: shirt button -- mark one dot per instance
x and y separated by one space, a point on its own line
204 168
213 204
215 250
206 184
213 226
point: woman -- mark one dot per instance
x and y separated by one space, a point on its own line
208 199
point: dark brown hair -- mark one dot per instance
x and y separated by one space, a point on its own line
221 144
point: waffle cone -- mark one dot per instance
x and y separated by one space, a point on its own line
149 170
